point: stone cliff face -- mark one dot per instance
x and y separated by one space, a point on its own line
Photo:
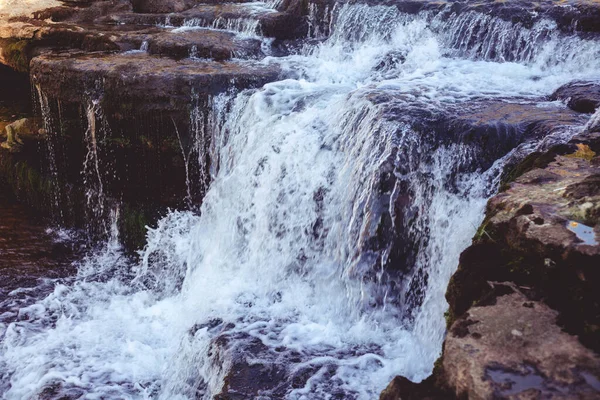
88 74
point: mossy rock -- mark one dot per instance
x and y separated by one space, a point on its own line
532 161
133 225
16 54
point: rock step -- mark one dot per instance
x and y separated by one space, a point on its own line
153 6
250 18
148 82
205 43
497 125
195 42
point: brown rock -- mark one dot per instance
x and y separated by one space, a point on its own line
514 349
150 82
403 389
204 43
161 6
543 234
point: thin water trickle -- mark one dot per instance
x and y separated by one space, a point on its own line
50 128
93 169
334 218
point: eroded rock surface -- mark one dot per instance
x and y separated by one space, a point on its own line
514 349
152 83
524 317
542 233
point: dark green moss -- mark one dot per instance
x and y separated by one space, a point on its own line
449 317
532 161
133 224
25 181
118 141
16 54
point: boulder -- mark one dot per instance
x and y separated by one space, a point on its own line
19 129
509 347
580 96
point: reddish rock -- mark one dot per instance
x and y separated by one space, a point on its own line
152 83
514 349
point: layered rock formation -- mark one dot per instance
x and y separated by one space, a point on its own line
115 86
524 316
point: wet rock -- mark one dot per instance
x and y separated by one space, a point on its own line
284 26
580 96
500 126
543 234
165 6
55 14
496 126
149 82
240 17
517 351
245 368
248 367
570 16
524 316
490 129
204 43
16 131
403 389
145 99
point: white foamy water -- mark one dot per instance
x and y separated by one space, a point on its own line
280 266
245 25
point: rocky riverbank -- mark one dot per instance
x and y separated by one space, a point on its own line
524 316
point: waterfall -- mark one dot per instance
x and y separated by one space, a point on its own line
49 126
244 26
91 172
334 218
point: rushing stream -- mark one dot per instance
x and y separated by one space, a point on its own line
289 261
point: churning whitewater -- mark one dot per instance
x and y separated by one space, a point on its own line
282 265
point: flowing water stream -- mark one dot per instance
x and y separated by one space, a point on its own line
292 261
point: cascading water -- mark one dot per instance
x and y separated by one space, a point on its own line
92 175
243 26
291 263
49 127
